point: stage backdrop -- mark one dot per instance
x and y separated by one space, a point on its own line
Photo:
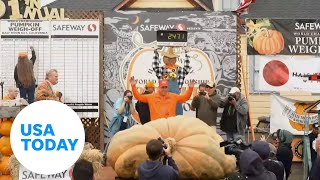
288 114
131 37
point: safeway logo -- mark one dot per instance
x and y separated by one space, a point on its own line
92 27
181 27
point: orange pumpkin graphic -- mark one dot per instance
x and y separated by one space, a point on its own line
300 107
268 42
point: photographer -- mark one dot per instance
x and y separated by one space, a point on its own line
206 104
122 119
235 114
153 169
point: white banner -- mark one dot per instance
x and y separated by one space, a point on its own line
25 174
284 73
288 114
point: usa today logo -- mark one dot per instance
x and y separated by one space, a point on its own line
47 137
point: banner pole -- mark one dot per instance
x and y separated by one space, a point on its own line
247 97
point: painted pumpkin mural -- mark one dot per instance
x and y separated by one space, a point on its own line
268 42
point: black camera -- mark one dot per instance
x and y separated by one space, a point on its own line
130 97
163 143
202 93
234 147
231 97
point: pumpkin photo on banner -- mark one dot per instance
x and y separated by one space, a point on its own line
264 39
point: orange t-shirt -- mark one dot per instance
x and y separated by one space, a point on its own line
162 106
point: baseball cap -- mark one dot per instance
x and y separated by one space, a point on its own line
211 84
163 83
315 125
234 90
150 84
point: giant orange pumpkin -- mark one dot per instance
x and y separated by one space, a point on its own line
5 146
195 148
268 42
300 107
4 165
5 128
5 177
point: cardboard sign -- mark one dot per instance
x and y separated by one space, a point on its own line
25 174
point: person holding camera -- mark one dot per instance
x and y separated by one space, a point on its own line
153 168
122 119
235 114
206 104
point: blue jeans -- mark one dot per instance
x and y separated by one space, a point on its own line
28 93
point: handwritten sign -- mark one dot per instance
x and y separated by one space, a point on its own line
28 9
25 174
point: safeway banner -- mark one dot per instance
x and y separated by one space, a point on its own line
289 114
283 36
287 73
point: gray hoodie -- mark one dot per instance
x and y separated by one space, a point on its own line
252 167
155 170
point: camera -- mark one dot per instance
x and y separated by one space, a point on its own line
231 97
234 147
130 97
163 143
202 93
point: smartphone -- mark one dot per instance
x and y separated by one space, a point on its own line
202 93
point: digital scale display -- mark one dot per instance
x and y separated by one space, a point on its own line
172 38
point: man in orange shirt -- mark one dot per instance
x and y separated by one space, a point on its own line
162 104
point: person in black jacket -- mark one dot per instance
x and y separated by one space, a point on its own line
284 152
315 170
153 169
263 149
143 108
312 136
252 168
24 75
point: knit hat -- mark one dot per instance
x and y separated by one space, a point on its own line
262 148
23 54
150 84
